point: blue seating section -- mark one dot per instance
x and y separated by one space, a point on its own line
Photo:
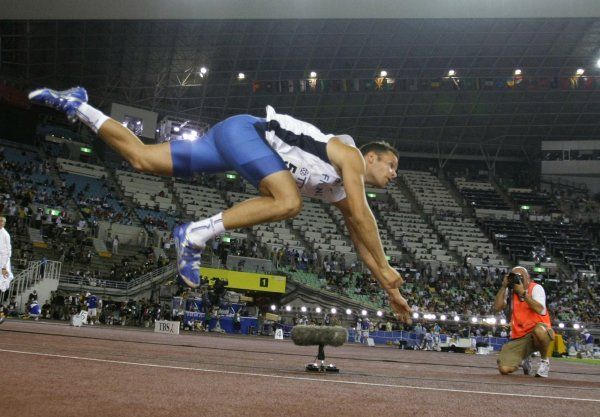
168 220
93 189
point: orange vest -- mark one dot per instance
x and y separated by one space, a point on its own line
524 318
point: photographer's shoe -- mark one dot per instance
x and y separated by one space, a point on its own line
526 365
2 319
188 257
543 369
67 101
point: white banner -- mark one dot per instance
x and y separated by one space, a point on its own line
164 326
279 334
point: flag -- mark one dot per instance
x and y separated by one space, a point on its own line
512 82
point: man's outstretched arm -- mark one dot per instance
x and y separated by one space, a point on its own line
397 302
362 225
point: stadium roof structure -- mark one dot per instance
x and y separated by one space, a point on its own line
148 55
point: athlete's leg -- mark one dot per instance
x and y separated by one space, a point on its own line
280 200
240 142
154 159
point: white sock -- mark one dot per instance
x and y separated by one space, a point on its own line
91 116
198 233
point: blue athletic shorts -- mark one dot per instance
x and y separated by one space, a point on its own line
235 144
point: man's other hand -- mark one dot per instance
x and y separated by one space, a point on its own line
400 306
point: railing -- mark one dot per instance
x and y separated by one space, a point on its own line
150 277
92 282
36 271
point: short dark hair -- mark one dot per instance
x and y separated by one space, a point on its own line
379 147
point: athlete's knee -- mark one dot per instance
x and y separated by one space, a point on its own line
289 206
150 159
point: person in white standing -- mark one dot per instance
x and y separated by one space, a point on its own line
6 275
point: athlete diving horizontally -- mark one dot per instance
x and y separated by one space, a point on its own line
325 166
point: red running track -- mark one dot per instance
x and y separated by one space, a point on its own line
52 369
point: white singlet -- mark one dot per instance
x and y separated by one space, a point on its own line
303 148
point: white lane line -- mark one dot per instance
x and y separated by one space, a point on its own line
299 378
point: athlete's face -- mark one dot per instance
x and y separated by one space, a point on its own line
381 169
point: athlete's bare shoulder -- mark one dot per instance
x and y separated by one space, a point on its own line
342 154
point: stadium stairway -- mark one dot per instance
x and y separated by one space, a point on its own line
183 217
468 211
40 276
36 238
418 209
127 202
408 195
503 193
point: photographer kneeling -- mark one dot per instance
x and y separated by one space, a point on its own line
530 323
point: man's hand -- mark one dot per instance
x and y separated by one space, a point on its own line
518 289
400 306
5 272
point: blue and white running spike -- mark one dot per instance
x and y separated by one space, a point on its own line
66 101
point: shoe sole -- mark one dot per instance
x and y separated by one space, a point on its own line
188 282
34 93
